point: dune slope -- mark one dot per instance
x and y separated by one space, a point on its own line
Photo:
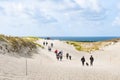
44 66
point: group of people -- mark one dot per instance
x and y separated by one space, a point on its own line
68 56
59 55
45 43
84 61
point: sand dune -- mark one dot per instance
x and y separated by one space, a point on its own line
44 66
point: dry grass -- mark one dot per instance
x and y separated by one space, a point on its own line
17 44
91 46
31 38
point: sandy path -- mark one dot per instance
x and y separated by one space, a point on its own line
52 71
44 66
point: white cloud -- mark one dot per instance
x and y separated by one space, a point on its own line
116 22
91 4
41 13
51 10
48 8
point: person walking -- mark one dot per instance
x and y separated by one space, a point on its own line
43 43
67 55
60 55
56 53
51 44
83 60
57 56
46 43
91 60
70 57
49 48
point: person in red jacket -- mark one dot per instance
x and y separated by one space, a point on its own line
56 52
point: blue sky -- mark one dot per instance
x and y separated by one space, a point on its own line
60 17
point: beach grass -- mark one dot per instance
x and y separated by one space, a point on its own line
19 42
91 46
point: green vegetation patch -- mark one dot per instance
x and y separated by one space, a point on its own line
85 46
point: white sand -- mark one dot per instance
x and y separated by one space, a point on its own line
44 66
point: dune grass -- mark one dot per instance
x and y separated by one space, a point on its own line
17 43
90 46
31 38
